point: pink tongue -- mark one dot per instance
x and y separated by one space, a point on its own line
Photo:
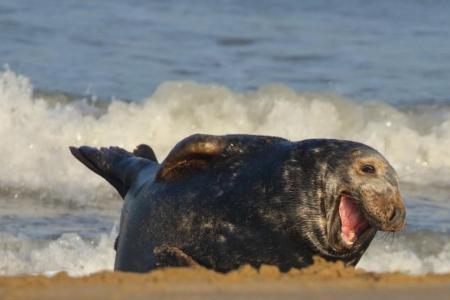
352 221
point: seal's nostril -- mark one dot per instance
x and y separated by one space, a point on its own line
394 214
397 216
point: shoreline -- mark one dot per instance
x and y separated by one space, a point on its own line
322 280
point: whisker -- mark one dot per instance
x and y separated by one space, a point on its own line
383 236
388 237
392 238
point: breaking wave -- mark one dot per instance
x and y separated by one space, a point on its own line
36 132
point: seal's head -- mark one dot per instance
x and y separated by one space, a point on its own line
358 193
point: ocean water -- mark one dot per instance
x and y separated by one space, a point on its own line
129 72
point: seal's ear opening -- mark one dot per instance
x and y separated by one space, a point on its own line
191 155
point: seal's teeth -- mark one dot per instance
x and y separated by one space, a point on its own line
349 238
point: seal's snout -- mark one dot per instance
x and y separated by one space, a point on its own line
395 220
385 210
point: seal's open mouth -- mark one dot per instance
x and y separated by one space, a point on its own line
353 222
350 227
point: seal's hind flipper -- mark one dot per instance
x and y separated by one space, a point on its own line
118 166
145 151
101 162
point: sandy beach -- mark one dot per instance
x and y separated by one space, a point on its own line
321 281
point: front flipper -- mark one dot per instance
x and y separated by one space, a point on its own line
170 256
199 151
190 155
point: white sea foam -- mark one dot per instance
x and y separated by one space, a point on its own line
401 257
35 135
69 253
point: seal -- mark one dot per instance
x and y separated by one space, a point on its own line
224 201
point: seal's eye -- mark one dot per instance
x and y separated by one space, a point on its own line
368 169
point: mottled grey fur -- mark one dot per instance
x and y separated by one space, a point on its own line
225 201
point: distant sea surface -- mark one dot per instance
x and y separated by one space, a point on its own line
390 50
128 72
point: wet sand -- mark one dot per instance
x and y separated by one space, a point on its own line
321 281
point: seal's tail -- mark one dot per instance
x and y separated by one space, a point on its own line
115 164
